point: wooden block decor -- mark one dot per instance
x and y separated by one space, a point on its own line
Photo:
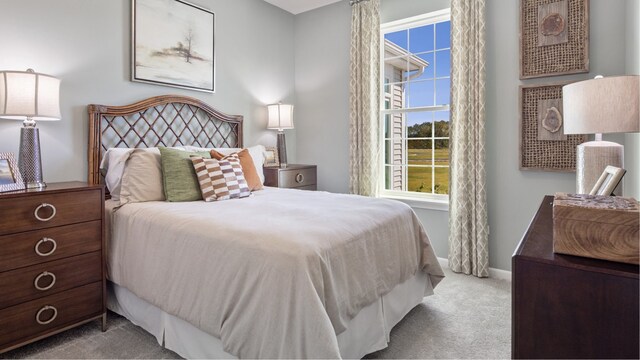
550 123
552 23
594 226
554 37
543 144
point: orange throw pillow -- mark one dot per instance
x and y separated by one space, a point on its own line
248 167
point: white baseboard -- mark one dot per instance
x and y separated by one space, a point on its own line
493 273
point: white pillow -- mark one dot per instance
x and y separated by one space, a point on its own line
112 166
142 177
257 155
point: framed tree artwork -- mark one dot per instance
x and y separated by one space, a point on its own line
172 44
554 37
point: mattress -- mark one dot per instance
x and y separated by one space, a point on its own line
280 274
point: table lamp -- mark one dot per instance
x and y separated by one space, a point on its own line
29 96
597 106
281 118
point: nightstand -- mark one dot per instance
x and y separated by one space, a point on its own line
294 176
566 306
52 272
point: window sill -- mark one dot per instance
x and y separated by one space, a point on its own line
419 203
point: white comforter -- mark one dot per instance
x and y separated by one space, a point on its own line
276 275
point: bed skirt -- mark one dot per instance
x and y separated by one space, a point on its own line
366 332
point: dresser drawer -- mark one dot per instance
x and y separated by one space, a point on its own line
41 280
18 323
21 213
19 250
295 178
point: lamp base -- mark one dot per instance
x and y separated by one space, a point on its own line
29 161
282 149
592 158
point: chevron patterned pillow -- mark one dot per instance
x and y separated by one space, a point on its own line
220 179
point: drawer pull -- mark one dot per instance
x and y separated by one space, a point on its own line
45 205
45 308
44 274
299 178
42 241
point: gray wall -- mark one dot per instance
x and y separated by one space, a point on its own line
632 65
513 195
86 43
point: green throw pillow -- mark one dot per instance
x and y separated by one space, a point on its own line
178 175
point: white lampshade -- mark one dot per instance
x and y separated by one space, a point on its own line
602 105
27 94
280 116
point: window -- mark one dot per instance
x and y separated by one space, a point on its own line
415 92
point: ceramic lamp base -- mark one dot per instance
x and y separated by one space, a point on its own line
592 158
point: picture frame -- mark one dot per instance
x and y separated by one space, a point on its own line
608 181
10 177
554 37
271 158
173 44
543 144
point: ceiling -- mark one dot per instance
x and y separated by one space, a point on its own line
299 6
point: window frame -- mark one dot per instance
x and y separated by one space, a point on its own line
413 198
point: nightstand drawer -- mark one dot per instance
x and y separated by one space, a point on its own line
34 247
295 178
41 280
21 214
37 317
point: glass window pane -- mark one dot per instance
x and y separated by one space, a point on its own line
387 152
419 124
421 39
443 89
443 63
419 152
442 180
387 126
420 93
429 70
419 179
443 35
399 38
394 177
441 124
395 68
441 152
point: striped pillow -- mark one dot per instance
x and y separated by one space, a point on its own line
220 179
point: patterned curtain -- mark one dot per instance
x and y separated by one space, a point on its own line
364 97
468 224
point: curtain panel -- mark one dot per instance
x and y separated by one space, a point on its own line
364 98
468 223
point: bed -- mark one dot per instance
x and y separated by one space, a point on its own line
282 274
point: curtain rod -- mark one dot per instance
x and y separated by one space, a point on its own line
353 2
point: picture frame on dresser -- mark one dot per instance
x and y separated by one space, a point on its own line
271 158
608 181
10 178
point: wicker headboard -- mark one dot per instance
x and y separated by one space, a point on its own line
168 120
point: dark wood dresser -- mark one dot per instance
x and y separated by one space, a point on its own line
566 306
52 272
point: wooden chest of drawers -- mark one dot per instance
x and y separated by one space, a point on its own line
52 272
294 176
570 307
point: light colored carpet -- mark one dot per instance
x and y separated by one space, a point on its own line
466 318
